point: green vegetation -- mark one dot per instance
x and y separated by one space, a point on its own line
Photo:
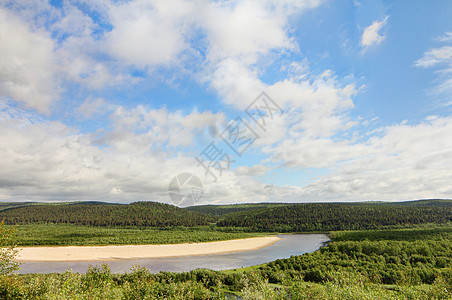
6 205
339 216
401 257
263 217
384 265
7 250
139 214
378 250
79 235
222 210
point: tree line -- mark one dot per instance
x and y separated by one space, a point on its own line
348 268
265 217
335 216
138 214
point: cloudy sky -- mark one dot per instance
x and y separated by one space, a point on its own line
110 100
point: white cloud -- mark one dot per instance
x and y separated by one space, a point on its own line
407 162
372 36
230 43
79 50
91 107
47 160
242 36
253 170
434 57
441 59
27 67
236 83
148 33
234 35
141 130
447 37
243 30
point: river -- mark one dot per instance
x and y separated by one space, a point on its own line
293 244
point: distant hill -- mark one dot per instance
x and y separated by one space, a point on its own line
101 214
427 202
6 205
221 210
340 216
265 217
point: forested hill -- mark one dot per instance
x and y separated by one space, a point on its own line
426 202
222 210
105 214
263 217
339 216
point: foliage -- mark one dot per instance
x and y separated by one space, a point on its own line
222 210
337 216
8 250
387 262
261 217
79 235
350 267
140 214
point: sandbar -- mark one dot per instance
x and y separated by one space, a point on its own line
125 252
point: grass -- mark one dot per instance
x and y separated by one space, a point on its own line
347 268
422 232
78 235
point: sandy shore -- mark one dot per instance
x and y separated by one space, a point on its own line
104 253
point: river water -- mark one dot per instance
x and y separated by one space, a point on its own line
294 244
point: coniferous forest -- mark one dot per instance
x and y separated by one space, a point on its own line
332 216
147 214
267 217
377 250
388 264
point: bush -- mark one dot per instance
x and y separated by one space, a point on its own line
8 250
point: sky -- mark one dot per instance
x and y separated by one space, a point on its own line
259 101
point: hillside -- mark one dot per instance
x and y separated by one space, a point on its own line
222 210
260 217
100 214
339 216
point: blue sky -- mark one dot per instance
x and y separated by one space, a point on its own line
110 100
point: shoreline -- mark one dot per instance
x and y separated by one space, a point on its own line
129 252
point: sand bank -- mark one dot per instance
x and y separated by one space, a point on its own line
105 253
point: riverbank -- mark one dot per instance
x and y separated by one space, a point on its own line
124 252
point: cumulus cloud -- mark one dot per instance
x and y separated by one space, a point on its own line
141 148
149 33
141 130
27 67
224 39
372 35
253 170
243 30
44 160
49 161
406 162
236 83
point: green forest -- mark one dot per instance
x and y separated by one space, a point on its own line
411 263
338 216
148 214
377 250
265 217
81 235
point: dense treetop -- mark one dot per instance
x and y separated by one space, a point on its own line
262 217
135 214
337 216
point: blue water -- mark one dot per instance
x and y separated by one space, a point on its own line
289 245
